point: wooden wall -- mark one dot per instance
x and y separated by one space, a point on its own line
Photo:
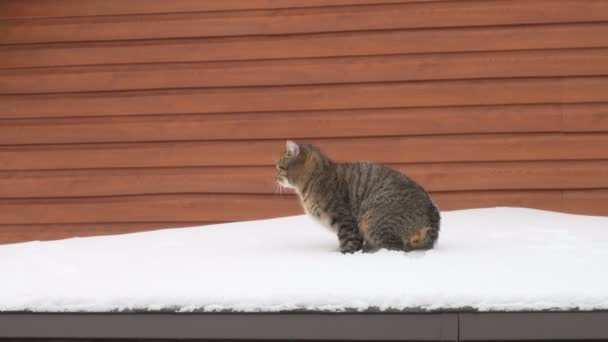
120 116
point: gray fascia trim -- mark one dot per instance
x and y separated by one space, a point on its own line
447 326
514 326
261 326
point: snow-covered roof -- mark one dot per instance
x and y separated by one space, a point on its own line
486 259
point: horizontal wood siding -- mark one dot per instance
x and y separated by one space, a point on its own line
389 68
302 20
234 207
376 122
309 97
260 179
123 116
14 233
381 42
406 149
15 9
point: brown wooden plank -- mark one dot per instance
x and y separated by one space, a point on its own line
567 62
150 208
261 180
342 96
294 125
304 125
587 202
302 20
311 45
45 232
587 116
459 148
13 9
155 208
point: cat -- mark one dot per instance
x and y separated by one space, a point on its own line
369 206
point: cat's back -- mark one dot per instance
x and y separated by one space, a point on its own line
365 178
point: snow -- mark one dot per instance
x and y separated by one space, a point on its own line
486 259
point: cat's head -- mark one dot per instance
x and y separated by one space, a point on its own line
297 164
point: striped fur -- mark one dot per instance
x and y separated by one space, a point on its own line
368 205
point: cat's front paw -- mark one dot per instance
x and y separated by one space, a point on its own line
350 246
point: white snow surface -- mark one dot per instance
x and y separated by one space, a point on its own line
486 259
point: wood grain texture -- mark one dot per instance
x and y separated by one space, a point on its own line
543 63
294 98
13 9
523 37
261 180
583 202
310 124
302 20
152 208
215 207
418 149
120 116
586 202
43 232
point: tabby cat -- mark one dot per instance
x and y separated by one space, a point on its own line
368 205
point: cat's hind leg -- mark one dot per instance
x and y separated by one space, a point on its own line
383 237
368 247
378 233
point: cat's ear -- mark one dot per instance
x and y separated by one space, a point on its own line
292 148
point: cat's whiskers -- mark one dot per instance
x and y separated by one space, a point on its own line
278 189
